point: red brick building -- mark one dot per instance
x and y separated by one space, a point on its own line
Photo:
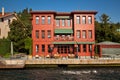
63 33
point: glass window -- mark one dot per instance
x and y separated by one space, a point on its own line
84 34
84 48
90 34
63 22
43 19
37 34
57 22
37 19
83 20
78 19
0 32
49 49
43 48
43 34
68 22
49 19
37 48
49 33
78 33
89 20
90 48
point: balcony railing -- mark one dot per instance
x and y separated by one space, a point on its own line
64 38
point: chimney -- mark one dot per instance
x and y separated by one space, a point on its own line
3 11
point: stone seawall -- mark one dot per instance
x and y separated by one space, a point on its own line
73 61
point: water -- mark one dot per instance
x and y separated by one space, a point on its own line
89 73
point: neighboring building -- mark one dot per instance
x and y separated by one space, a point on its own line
107 48
63 33
5 20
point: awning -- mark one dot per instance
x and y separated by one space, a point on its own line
63 31
70 42
85 42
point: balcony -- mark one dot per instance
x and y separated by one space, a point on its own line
64 38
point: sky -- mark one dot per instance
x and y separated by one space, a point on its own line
109 7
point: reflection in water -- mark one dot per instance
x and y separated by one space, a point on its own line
107 73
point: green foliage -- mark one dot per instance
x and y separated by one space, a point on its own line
28 44
4 46
19 30
106 31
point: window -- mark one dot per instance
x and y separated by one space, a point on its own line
90 48
37 19
0 32
68 22
43 34
84 48
37 48
90 34
78 33
83 20
43 48
43 19
63 22
9 21
78 19
89 20
49 19
57 22
2 19
49 49
78 48
84 34
49 33
37 34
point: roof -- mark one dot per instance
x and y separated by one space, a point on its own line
65 13
6 14
108 43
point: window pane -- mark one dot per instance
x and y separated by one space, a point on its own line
84 20
43 20
49 19
43 48
78 33
84 47
49 33
89 20
63 22
68 22
37 19
78 19
90 48
90 34
49 49
37 48
43 34
57 22
37 34
84 34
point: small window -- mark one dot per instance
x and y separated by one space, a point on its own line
68 22
83 20
37 19
43 48
37 48
63 22
90 34
49 33
89 20
57 22
78 19
9 21
43 19
90 48
49 19
37 34
78 33
84 48
49 49
43 34
84 34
